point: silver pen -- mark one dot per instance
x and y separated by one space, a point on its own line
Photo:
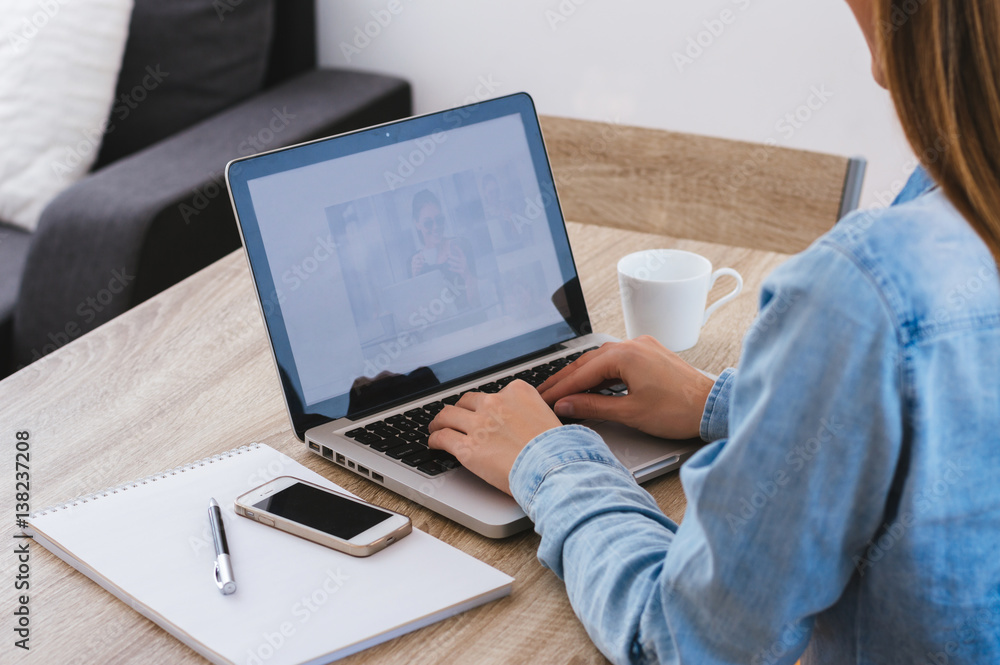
224 578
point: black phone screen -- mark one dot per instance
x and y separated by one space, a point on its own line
321 510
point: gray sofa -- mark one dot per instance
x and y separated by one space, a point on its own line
202 82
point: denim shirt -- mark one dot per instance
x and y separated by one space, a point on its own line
848 509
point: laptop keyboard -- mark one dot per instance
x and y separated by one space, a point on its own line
403 437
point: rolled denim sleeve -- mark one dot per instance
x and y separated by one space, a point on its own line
715 418
587 507
777 507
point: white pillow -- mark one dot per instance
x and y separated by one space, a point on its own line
59 63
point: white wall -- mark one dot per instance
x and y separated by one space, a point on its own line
619 62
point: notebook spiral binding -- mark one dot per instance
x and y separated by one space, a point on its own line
124 487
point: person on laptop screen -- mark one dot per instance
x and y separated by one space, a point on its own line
452 257
848 509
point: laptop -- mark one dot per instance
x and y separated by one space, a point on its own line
399 266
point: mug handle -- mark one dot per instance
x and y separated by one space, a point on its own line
726 298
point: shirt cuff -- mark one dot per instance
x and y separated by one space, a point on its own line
552 450
715 419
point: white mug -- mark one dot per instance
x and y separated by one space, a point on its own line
664 293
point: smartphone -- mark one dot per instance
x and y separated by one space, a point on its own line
332 519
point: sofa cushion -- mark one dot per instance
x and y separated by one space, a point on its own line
184 61
59 62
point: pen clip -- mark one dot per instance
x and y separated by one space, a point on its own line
218 576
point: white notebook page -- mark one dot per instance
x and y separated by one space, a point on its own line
296 602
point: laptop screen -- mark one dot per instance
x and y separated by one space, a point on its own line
396 260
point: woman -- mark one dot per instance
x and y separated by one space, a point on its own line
452 257
848 510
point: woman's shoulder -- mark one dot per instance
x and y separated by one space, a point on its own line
920 259
916 228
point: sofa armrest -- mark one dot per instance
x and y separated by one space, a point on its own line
143 223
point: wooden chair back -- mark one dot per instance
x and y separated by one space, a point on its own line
717 190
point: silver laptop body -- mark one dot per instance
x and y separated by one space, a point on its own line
399 266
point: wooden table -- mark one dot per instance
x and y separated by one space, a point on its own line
188 374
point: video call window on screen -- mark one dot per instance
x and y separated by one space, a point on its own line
435 258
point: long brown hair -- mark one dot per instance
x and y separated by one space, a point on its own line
941 62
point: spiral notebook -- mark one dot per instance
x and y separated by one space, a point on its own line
297 602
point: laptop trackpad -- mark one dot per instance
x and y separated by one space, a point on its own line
646 456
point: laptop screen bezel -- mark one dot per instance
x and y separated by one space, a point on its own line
241 171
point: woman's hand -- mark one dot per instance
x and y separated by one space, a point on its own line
457 262
666 396
486 432
417 264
